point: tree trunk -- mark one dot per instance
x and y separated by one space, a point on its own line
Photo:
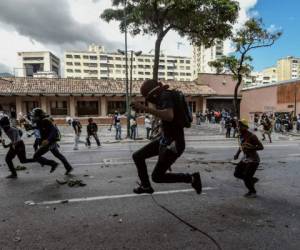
236 101
157 55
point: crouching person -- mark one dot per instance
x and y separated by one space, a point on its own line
246 168
16 146
169 146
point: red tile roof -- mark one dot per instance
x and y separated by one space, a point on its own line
68 86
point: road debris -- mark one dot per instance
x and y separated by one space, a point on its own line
20 168
72 183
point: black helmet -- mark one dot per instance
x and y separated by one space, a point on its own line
4 122
38 114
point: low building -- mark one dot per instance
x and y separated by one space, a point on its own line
282 96
83 98
223 85
31 63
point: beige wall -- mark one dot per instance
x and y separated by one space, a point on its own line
258 100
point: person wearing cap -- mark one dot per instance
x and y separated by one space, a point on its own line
50 136
169 146
246 168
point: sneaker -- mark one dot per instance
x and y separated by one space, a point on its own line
143 190
255 180
12 176
250 195
69 170
53 167
196 182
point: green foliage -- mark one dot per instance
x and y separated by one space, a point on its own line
202 21
251 36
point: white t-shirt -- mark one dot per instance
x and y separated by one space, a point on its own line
148 123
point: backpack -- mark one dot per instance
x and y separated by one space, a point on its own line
182 113
58 134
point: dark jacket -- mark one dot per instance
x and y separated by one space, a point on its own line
92 128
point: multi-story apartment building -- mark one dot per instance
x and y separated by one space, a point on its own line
98 64
37 63
202 56
264 77
288 68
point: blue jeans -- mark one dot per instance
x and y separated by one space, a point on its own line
118 131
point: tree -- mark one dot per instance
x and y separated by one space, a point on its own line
202 21
251 36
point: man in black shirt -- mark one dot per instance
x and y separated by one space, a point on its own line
169 146
92 130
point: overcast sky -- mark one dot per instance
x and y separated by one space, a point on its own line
59 25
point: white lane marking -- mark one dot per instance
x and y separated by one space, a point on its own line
110 197
293 154
198 147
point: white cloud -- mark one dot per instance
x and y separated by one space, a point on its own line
246 12
88 12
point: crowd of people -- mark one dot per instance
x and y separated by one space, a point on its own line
166 132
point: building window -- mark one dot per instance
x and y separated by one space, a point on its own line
33 58
69 63
77 70
70 70
93 65
77 64
93 57
87 108
85 57
30 105
58 108
69 56
77 56
119 106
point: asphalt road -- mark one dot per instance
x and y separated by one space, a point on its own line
105 215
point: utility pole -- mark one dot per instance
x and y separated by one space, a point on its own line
126 71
